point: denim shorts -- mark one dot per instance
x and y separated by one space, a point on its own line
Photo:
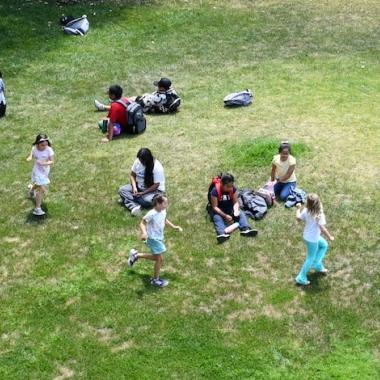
157 247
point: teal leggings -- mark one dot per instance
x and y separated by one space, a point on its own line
314 259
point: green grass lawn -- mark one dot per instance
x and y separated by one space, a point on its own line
70 307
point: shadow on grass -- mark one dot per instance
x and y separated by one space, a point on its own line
318 283
37 219
148 287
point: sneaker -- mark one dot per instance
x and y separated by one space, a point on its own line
159 282
174 105
222 238
99 106
136 211
38 211
132 257
323 271
248 233
31 191
302 283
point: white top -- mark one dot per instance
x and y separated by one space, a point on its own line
158 174
312 231
155 224
41 155
2 89
283 166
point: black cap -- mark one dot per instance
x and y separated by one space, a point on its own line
163 82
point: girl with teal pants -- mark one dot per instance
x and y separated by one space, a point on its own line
315 221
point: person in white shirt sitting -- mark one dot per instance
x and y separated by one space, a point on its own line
147 180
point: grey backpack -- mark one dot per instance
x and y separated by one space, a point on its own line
135 117
238 99
78 26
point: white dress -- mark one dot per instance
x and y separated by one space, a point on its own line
40 173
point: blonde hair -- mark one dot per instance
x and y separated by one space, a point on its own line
314 205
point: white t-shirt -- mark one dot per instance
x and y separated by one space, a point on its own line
2 89
312 231
155 224
41 155
158 174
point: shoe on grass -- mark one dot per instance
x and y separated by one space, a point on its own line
38 211
136 211
159 282
248 232
174 105
132 257
222 238
323 271
99 106
302 283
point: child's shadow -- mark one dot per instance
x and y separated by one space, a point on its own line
148 287
318 283
37 219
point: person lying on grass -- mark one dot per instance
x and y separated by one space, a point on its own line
315 221
283 170
152 232
164 100
43 156
147 181
116 122
225 210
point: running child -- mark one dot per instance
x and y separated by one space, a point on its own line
152 232
43 156
315 221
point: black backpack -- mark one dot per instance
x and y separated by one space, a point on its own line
135 117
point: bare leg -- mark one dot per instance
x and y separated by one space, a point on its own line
158 259
40 190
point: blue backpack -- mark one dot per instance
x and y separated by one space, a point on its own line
239 99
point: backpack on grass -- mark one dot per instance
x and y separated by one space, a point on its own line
135 117
78 26
239 99
253 204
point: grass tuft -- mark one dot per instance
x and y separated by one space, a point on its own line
257 153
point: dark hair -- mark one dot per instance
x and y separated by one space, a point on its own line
285 145
116 90
1 74
40 138
227 178
158 200
146 158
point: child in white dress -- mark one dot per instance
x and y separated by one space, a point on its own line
43 156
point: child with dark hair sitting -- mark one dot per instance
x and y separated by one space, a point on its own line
225 210
116 122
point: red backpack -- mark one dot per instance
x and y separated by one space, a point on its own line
216 183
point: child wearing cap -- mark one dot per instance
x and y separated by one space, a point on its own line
163 100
